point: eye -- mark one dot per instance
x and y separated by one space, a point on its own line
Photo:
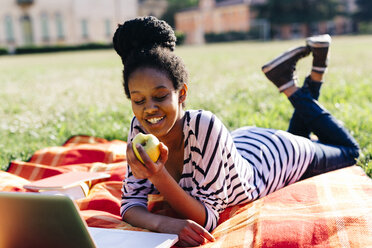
139 102
160 97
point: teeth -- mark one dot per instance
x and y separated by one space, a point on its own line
155 120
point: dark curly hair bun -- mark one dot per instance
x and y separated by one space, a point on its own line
143 33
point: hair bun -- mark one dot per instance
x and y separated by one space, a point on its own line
143 33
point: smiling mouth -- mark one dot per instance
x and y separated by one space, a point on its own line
155 120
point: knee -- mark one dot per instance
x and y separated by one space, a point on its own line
354 152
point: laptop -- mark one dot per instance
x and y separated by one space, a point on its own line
37 220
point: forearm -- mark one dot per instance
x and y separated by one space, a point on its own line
185 205
141 217
181 202
189 232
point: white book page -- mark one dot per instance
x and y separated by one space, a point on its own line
104 237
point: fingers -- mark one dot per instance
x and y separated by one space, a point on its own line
147 169
163 153
188 241
138 169
162 158
193 234
145 157
204 233
131 156
152 167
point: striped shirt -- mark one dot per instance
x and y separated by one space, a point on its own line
223 169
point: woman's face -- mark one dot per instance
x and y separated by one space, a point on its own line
155 102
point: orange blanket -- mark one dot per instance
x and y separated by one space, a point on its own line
330 210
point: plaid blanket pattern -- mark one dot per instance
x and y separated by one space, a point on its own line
330 210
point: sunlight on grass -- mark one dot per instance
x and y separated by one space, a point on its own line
49 97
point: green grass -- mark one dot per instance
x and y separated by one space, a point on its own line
47 98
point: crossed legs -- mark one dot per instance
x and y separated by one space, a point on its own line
335 148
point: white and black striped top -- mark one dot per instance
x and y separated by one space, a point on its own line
222 169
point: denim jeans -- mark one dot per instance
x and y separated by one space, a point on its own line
335 148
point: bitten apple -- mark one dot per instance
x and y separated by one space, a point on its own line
149 143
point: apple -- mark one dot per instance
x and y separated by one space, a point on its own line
149 143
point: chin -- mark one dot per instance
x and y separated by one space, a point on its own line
159 133
161 129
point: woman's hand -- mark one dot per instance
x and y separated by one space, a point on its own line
149 169
189 232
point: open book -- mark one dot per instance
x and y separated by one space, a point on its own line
74 184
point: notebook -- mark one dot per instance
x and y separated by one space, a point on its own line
75 184
65 180
37 220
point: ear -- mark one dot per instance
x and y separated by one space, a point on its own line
182 93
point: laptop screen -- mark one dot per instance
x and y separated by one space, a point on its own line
35 220
38 220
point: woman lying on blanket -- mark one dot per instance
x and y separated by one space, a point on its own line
203 168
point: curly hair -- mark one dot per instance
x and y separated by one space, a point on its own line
149 42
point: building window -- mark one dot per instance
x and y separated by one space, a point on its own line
108 28
9 34
296 30
59 26
331 29
44 27
26 26
314 29
84 28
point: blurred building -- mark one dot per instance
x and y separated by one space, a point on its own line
340 24
212 16
215 17
152 7
70 22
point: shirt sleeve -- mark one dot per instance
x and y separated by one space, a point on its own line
211 149
134 191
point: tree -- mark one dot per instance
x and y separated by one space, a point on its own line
364 13
279 12
174 6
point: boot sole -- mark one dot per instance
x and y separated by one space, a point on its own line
321 41
282 58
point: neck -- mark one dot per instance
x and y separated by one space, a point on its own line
174 139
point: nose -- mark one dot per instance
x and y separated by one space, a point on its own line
150 107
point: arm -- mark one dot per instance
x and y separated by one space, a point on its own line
189 232
209 178
162 180
181 202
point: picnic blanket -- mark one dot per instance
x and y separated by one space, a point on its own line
329 210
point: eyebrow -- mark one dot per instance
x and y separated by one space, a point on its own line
156 88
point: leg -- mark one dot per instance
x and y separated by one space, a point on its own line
314 117
325 124
319 46
329 157
320 121
339 148
281 72
296 125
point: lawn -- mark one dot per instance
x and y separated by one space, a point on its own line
47 98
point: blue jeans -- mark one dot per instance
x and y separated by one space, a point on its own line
335 148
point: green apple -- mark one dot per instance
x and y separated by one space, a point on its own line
149 143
